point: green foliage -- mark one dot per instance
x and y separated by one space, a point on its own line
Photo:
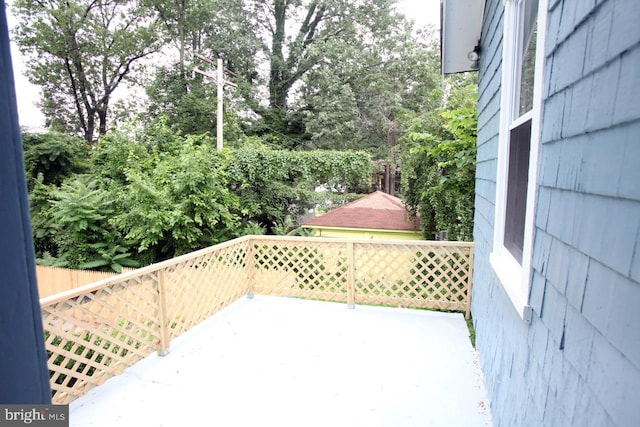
284 227
115 152
79 52
44 227
210 28
333 200
84 237
187 104
358 104
253 228
157 194
275 183
188 107
147 198
288 227
82 207
439 173
342 75
51 157
182 203
113 256
320 56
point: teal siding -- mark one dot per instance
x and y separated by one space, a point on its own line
578 362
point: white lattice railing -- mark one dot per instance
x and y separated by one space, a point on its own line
94 332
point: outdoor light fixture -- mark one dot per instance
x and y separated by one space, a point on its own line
460 32
474 57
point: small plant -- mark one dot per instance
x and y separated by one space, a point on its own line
112 256
472 331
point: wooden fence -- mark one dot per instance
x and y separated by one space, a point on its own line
417 274
96 331
53 280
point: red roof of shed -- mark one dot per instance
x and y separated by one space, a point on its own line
377 210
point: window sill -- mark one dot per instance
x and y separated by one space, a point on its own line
514 280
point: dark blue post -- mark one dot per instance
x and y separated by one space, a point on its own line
24 377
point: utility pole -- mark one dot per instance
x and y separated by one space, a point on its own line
219 115
219 79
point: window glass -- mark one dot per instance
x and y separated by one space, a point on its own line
518 176
520 130
527 55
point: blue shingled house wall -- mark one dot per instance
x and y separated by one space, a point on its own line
576 359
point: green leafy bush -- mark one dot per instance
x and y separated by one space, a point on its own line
439 173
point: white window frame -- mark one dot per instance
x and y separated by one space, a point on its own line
516 277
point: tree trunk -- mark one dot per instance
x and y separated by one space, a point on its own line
277 93
392 141
181 35
91 127
387 178
102 121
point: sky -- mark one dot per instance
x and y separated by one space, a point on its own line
423 12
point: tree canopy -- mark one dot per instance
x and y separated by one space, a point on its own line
292 62
326 92
438 165
161 194
79 52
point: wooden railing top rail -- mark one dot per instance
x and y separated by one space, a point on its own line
393 242
73 293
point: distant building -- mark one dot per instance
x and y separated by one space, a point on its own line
375 216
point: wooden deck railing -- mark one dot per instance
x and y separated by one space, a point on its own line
95 332
54 280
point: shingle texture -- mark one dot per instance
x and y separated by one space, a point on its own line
578 362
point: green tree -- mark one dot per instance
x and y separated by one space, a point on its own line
45 228
211 28
298 36
359 104
80 214
276 184
438 168
338 71
52 157
79 52
157 194
177 197
187 104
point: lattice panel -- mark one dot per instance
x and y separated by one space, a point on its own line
301 268
436 276
97 334
200 286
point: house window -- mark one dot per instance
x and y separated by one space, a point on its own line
517 180
521 106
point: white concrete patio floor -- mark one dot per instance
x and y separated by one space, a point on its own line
271 361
